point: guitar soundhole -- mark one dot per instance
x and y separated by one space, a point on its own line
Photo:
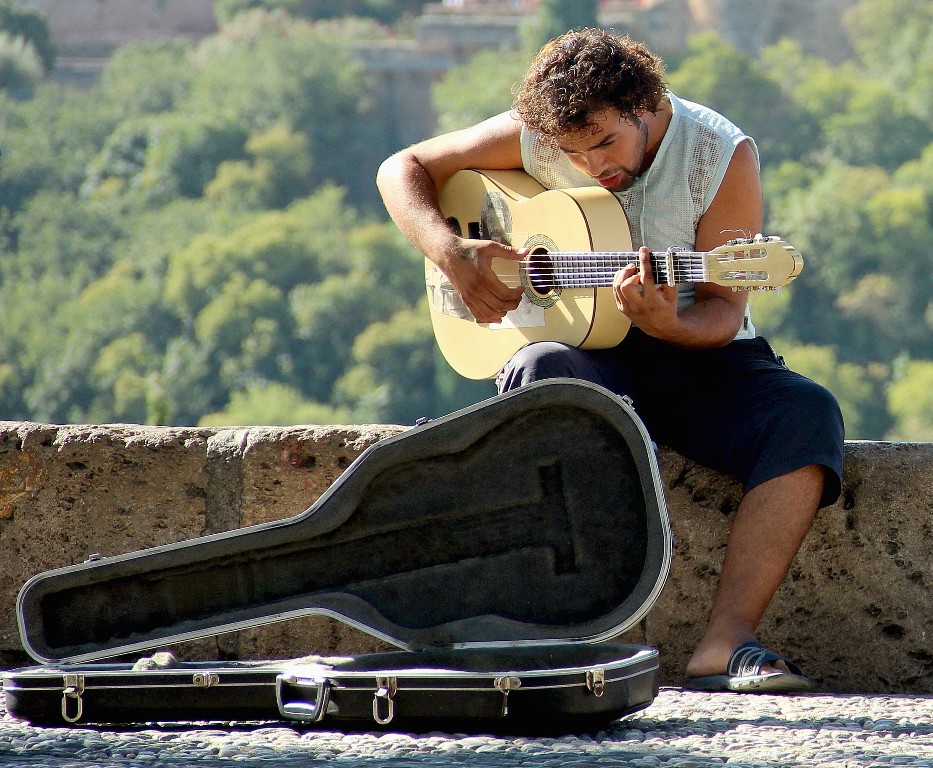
540 273
540 276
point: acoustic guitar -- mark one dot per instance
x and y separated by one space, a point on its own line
577 240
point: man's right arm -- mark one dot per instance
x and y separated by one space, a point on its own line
409 182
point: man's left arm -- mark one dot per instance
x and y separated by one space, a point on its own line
736 211
718 312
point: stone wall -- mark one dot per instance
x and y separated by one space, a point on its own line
854 610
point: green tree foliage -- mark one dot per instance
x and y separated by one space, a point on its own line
910 400
165 155
553 18
32 28
894 40
278 171
269 69
20 65
197 240
128 84
727 80
462 101
275 404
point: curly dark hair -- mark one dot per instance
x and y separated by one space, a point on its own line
583 72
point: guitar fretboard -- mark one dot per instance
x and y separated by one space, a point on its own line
583 269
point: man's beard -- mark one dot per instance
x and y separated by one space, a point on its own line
631 174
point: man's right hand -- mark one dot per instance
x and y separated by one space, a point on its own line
471 272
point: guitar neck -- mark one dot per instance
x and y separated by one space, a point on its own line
583 269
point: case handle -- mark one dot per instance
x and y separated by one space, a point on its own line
311 709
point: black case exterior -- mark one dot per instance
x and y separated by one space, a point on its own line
101 692
534 518
549 688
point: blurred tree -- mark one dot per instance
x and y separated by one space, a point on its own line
189 382
65 236
33 28
894 40
274 404
828 222
245 328
771 311
481 88
48 141
164 156
279 172
910 399
553 18
395 358
382 277
123 378
20 66
723 78
183 153
269 70
862 135
148 77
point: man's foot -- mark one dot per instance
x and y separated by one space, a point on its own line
752 667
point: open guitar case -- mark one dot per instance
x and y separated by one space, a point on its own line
501 548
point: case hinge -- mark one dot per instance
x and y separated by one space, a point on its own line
596 681
506 684
71 698
384 700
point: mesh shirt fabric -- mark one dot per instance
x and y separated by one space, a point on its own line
665 204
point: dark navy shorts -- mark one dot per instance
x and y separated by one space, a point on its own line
736 409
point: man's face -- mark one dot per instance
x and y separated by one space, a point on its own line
612 153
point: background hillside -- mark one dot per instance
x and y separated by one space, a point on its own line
193 236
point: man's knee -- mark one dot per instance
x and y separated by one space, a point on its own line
819 407
542 360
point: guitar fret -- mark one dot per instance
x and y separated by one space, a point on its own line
584 269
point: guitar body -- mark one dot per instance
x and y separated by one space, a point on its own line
510 207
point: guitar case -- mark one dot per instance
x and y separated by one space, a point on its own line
500 547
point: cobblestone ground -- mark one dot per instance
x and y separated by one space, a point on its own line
684 729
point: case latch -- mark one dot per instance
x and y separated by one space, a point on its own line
506 684
596 681
384 700
205 679
71 697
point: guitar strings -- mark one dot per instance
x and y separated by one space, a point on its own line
597 271
586 269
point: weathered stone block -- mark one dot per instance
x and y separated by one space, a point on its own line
69 492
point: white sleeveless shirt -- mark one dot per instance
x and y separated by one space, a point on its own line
665 204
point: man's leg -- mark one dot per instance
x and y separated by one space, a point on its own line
768 529
552 360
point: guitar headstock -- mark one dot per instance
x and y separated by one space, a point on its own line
760 262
